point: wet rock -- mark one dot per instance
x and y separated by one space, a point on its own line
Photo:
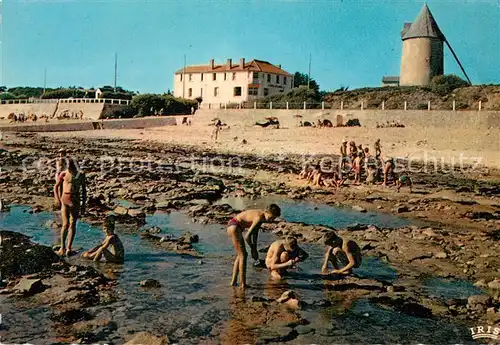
120 211
353 283
290 299
359 209
136 213
356 227
30 287
94 330
164 204
197 210
479 302
36 258
201 202
145 338
258 299
401 209
302 329
71 316
150 283
440 255
279 335
494 285
403 305
429 232
188 238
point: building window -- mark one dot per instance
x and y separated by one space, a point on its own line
237 91
253 91
255 75
216 91
190 92
268 78
234 76
181 77
225 76
277 79
190 77
214 76
202 77
284 80
266 91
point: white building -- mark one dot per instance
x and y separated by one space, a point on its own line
231 83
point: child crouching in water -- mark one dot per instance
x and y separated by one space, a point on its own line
251 220
344 255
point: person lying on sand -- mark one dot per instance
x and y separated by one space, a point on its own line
344 255
111 248
251 220
283 254
306 171
404 180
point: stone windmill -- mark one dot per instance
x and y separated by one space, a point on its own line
423 48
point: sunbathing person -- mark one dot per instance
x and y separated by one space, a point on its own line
283 254
111 248
344 255
304 174
335 180
251 220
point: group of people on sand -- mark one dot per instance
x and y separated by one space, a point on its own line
284 254
70 195
359 165
392 124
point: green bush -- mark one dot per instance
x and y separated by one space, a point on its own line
443 85
295 98
149 104
7 95
115 111
63 93
117 95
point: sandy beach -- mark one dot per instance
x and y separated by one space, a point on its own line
442 147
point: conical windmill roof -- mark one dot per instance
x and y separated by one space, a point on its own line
424 26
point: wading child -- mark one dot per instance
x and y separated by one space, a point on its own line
404 180
283 254
344 255
111 248
251 220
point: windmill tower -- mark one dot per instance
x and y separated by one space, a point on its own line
423 56
423 50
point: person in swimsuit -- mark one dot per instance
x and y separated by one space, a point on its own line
378 148
344 255
111 248
283 254
404 180
251 220
389 170
72 198
343 154
60 161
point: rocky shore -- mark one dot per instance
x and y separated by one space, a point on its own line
460 238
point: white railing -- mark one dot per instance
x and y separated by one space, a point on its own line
65 100
361 105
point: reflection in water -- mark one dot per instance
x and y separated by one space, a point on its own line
319 214
195 297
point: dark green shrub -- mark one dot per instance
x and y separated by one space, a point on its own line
445 84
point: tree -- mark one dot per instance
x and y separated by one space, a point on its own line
300 79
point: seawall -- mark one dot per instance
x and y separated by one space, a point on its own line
68 125
474 120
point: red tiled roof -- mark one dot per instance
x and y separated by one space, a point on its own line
252 66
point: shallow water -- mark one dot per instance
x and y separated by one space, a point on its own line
195 294
318 214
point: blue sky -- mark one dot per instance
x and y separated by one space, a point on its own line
352 42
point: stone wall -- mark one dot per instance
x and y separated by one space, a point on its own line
66 126
473 120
